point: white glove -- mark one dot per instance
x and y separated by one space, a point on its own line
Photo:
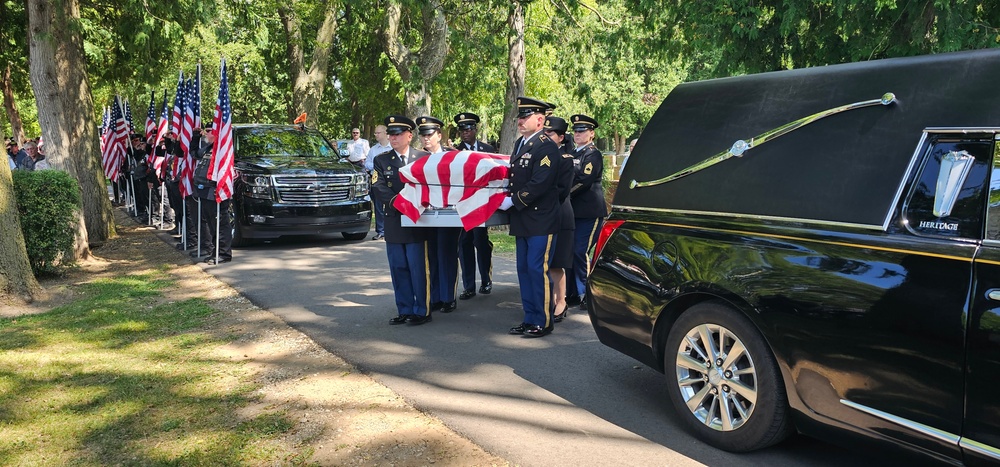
506 204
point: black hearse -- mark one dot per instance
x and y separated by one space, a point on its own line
818 250
292 181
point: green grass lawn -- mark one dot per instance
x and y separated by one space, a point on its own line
122 377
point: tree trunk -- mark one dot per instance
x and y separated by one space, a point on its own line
13 116
16 279
417 69
66 110
515 77
308 85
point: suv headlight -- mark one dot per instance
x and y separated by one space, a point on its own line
256 186
360 183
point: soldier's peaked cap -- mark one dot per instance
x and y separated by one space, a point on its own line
527 106
466 120
583 122
396 124
428 125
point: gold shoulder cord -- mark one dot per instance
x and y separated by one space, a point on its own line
741 146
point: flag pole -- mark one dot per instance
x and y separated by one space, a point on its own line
183 229
199 226
217 242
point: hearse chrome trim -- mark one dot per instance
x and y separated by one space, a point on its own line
980 448
813 240
902 182
754 217
741 146
932 432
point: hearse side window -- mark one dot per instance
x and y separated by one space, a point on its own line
993 212
947 197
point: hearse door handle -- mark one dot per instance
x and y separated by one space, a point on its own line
993 294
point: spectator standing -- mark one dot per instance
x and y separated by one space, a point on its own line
28 162
406 247
587 195
534 214
40 162
357 148
381 146
474 243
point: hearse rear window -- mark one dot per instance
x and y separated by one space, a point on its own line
947 197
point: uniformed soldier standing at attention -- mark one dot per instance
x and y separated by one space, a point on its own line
534 214
562 256
442 241
406 247
587 195
474 243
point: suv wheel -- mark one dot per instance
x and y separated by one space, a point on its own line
354 236
723 381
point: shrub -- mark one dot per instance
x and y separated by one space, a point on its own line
46 203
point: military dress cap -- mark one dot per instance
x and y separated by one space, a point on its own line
583 122
466 120
527 106
135 136
555 124
396 124
552 108
427 125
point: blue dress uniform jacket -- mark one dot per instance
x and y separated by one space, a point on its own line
385 182
587 193
533 185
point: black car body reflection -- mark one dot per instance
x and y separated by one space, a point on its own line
839 276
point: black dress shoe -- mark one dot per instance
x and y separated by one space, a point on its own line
486 288
519 329
401 319
437 306
558 317
572 300
534 330
449 307
378 236
179 246
467 294
416 320
583 304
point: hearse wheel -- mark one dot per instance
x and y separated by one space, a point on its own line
723 381
354 236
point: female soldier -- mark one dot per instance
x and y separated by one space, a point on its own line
562 256
443 244
587 195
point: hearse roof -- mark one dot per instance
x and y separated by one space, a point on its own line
846 167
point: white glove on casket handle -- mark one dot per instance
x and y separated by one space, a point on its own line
506 204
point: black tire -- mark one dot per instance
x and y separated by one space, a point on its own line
748 383
354 236
238 239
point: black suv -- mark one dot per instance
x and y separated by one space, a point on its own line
818 250
292 181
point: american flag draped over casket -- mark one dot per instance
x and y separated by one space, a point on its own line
474 183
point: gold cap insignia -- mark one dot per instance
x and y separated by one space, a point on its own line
392 119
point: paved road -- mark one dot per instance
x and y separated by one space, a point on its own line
564 399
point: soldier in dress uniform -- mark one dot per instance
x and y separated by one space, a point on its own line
406 247
476 242
587 195
562 256
442 241
534 214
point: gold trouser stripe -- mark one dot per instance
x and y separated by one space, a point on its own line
545 279
427 279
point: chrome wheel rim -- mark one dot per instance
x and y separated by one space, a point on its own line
716 377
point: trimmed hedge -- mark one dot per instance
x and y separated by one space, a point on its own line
46 203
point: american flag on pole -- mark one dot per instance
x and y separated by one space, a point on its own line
164 124
221 166
114 149
197 97
105 123
177 117
151 116
185 165
128 116
473 182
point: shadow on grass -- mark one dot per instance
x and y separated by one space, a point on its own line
122 377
